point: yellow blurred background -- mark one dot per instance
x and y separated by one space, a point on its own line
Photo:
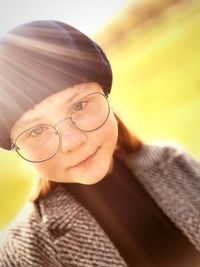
154 50
153 47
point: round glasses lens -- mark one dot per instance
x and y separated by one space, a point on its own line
38 143
91 112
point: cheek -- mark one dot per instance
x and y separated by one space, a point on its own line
103 163
108 134
112 127
106 137
47 169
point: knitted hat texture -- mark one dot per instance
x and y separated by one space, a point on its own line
40 58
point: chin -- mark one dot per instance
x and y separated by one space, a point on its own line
92 176
91 181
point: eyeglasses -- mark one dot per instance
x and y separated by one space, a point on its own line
42 142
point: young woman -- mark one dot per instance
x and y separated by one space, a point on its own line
105 198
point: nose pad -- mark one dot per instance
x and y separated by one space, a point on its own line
71 137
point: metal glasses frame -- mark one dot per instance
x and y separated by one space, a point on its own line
14 146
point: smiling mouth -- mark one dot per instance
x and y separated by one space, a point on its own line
85 160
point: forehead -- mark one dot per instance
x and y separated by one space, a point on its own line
55 103
67 96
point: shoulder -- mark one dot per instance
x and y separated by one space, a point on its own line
169 170
59 228
171 175
27 241
39 239
162 156
166 169
20 231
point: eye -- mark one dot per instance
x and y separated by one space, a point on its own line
37 131
80 106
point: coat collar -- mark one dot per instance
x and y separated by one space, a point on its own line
58 207
170 176
64 218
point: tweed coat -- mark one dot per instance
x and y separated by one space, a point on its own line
60 232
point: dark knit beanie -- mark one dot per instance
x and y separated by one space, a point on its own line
40 58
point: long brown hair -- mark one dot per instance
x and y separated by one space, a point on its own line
127 143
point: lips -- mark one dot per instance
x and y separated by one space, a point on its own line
87 159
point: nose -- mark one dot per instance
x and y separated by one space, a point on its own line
71 137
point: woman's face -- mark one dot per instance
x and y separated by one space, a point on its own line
83 157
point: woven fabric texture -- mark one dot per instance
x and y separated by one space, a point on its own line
60 232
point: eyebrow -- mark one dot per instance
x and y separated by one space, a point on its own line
28 121
37 119
25 122
22 124
73 96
